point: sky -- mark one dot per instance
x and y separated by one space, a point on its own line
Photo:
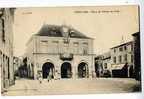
108 25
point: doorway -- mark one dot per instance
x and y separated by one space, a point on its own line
47 68
66 70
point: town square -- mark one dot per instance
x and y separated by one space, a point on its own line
70 50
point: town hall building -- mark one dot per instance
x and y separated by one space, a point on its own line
62 51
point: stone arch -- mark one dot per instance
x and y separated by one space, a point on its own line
66 70
83 70
48 69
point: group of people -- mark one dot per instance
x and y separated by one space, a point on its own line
50 76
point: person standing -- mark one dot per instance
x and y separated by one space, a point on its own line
56 75
48 77
39 77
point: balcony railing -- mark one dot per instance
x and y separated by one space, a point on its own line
66 56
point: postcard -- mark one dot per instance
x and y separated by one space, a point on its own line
70 50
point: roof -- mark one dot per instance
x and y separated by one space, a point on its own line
106 56
130 42
56 31
137 33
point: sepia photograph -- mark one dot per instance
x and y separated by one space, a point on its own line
70 50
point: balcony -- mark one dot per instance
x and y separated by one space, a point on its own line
66 56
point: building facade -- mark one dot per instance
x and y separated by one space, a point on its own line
17 62
103 65
6 47
106 63
122 60
99 65
137 56
60 51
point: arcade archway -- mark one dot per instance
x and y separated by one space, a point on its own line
47 69
83 70
66 70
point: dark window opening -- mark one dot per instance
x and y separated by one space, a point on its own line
120 49
66 70
48 70
114 50
120 59
125 47
105 66
114 59
125 57
3 30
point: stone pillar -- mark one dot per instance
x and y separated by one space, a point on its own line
74 72
58 72
90 67
90 73
35 71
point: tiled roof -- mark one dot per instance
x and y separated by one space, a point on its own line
56 31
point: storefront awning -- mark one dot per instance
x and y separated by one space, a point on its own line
118 66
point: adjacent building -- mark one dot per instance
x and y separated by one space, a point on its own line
60 51
122 59
103 65
17 62
137 57
99 65
106 63
6 47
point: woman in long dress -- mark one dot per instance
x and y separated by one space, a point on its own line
49 76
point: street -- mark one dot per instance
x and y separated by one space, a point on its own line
26 87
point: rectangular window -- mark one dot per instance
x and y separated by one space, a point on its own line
121 49
44 41
132 47
85 49
76 49
120 59
105 65
76 43
125 47
43 48
65 48
132 58
85 43
55 47
3 30
114 59
114 50
125 57
55 41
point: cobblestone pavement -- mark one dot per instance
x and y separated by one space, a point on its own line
69 86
